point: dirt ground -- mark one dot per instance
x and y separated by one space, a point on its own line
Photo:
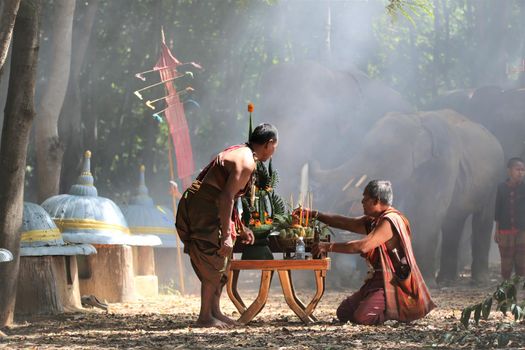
166 322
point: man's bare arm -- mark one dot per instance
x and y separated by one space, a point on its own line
381 234
238 177
356 225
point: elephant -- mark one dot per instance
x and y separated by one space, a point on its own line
501 111
318 110
443 168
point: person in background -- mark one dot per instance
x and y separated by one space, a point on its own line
394 289
510 220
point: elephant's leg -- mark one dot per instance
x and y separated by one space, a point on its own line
424 241
482 225
425 222
452 230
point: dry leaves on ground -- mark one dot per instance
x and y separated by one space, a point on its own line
166 322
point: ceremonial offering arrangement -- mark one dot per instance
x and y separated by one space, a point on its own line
259 207
291 227
262 204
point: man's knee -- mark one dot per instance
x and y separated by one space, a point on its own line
343 313
369 316
346 309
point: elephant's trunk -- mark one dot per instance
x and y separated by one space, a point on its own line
332 177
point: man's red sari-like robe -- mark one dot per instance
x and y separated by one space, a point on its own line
408 299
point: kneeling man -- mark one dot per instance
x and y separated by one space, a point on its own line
394 289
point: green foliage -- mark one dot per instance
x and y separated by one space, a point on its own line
267 203
505 296
409 8
463 45
278 205
262 176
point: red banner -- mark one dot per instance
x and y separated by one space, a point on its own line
178 126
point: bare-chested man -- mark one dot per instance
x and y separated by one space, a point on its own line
208 223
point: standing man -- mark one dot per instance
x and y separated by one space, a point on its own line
208 223
394 289
510 220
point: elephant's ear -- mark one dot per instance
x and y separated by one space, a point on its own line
438 132
421 148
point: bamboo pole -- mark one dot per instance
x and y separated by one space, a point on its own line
174 203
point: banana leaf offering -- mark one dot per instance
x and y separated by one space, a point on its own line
261 204
290 230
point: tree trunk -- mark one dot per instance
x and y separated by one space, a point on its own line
70 121
436 54
18 118
39 285
445 48
143 261
68 282
8 12
146 282
110 275
49 150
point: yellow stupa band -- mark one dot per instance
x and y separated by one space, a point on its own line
86 224
152 230
40 235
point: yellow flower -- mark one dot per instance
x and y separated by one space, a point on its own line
250 107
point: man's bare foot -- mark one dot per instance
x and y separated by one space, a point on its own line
213 322
221 317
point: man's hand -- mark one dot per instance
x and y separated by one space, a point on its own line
226 246
246 236
497 237
174 190
321 248
297 213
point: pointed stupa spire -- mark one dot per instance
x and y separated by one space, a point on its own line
142 196
85 183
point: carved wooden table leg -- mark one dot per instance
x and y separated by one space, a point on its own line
260 301
231 288
284 268
299 301
320 284
291 298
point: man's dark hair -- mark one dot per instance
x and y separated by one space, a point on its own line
263 133
513 161
380 190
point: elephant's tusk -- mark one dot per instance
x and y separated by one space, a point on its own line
361 180
345 187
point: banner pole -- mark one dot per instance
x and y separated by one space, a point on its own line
174 203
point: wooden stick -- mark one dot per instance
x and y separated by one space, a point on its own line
174 203
174 66
150 103
139 95
141 74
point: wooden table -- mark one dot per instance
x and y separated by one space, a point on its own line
284 268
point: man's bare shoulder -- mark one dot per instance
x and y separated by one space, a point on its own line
240 158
